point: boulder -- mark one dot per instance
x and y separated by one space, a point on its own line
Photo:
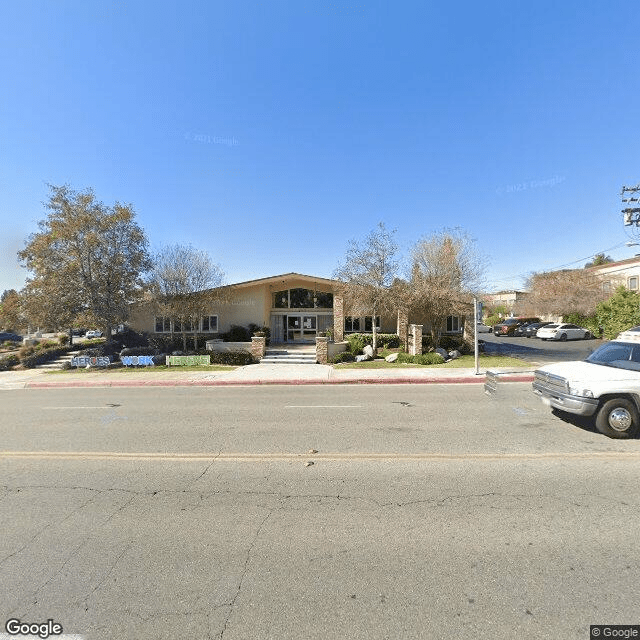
454 354
392 357
368 351
442 352
362 358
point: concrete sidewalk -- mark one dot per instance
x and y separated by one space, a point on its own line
257 374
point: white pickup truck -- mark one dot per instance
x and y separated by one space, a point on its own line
606 384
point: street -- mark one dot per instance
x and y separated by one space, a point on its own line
429 511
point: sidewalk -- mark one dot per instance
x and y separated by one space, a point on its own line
267 374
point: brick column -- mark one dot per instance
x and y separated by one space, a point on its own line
338 318
415 342
322 350
402 328
258 346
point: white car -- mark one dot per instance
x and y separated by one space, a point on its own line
563 331
483 328
93 334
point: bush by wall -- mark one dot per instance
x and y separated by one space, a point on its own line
345 356
42 356
236 358
357 341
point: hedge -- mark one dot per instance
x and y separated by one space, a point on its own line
425 358
345 356
357 341
8 362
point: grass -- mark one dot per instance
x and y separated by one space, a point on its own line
464 362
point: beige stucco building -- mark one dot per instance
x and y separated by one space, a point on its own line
295 307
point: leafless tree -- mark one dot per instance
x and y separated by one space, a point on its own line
184 284
447 271
564 292
366 276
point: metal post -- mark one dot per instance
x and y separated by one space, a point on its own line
475 334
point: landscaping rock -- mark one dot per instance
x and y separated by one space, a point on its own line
362 358
368 351
442 352
392 357
454 354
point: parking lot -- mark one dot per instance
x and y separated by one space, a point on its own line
538 351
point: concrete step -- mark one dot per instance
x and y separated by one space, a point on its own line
283 356
60 362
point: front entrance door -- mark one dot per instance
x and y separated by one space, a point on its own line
301 328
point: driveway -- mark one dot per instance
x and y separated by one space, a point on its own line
537 351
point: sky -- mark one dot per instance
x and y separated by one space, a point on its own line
270 133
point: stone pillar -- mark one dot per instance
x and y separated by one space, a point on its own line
338 318
322 350
415 341
258 346
402 328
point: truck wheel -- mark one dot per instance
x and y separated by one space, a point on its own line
618 418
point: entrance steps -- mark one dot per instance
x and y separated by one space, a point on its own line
290 354
60 363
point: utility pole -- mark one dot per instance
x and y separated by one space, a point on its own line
631 209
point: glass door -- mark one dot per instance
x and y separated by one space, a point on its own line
301 328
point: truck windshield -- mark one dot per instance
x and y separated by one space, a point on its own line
621 355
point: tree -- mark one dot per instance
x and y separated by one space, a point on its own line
11 316
87 261
598 260
184 283
367 274
563 292
620 312
447 271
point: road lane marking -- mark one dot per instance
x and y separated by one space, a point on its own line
248 457
100 407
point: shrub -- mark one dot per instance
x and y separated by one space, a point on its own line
63 339
357 341
237 358
425 358
129 338
237 334
345 356
254 328
138 351
8 362
42 356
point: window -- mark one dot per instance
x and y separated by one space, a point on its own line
210 324
281 299
163 325
606 286
351 324
368 324
453 324
324 300
301 298
633 283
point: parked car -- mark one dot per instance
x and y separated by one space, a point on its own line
93 334
563 331
605 386
531 330
483 328
508 326
520 331
78 332
6 336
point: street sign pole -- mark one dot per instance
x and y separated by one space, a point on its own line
475 334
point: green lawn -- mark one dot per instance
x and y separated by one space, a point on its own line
464 362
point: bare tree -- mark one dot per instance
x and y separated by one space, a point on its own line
367 274
87 261
184 284
564 292
447 271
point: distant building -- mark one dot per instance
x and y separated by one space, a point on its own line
623 272
508 299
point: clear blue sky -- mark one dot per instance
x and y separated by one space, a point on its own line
271 133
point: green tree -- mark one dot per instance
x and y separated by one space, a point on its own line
86 261
11 317
598 260
367 274
620 312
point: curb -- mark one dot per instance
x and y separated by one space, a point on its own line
243 383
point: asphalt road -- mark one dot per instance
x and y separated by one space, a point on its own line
428 512
540 351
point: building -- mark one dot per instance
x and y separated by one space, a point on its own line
623 272
508 299
295 307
